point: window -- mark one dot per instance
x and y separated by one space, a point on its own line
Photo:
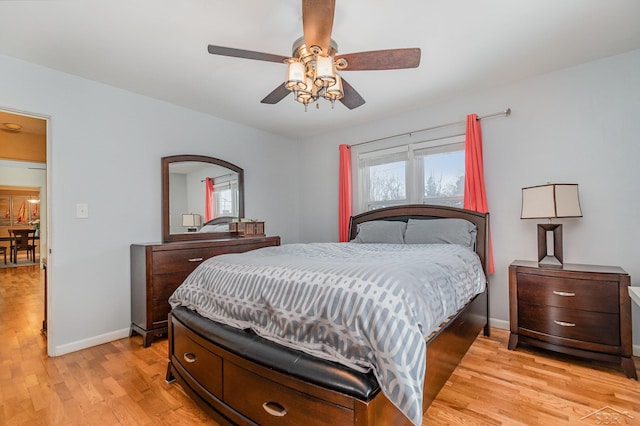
225 189
424 173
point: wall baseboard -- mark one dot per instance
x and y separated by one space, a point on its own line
91 341
121 334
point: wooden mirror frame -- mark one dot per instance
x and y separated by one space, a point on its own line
167 236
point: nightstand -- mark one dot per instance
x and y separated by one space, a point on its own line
581 310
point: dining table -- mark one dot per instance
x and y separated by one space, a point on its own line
8 238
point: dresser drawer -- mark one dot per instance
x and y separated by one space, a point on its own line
197 360
185 260
160 309
594 327
163 285
587 295
269 403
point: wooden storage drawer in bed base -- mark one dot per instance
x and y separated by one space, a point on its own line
268 402
246 385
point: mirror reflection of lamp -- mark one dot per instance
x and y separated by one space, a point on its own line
550 201
191 221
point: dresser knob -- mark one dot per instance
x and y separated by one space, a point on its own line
274 409
563 293
564 324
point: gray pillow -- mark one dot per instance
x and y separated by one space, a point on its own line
441 231
381 231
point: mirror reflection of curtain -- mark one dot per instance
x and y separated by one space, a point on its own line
209 205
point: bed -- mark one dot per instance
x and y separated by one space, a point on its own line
242 364
218 224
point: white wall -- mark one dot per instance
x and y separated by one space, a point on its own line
105 146
577 125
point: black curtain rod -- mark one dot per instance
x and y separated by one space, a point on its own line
506 113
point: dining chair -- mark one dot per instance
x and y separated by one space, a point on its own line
22 239
3 250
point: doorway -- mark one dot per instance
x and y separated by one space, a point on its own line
24 186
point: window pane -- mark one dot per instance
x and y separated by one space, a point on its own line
387 181
444 175
224 202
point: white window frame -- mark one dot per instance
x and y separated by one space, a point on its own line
363 157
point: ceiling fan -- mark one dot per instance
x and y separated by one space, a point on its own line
313 65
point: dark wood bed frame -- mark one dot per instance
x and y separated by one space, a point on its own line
228 378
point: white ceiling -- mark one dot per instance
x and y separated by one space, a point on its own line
158 48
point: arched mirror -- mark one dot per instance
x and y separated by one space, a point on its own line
200 196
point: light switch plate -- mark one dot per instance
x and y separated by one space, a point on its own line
82 211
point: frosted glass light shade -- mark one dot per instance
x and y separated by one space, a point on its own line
296 79
325 74
335 92
305 95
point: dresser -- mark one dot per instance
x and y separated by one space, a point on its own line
157 269
580 310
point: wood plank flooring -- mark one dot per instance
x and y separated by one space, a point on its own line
121 383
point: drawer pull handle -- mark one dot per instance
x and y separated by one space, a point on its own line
564 324
195 259
563 293
189 357
274 409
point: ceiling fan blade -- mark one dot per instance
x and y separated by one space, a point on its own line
317 23
351 98
391 59
245 54
278 94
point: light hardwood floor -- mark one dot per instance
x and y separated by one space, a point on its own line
121 383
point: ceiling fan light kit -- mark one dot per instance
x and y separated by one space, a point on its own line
311 75
313 65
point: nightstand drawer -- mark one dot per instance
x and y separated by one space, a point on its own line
586 295
571 324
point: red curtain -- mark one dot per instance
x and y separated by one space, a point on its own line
475 195
344 193
209 202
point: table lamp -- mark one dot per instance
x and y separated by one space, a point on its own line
191 221
550 201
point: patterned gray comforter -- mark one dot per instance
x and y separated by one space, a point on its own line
367 306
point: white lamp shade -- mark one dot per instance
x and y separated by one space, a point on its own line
325 74
335 92
550 201
191 220
296 79
305 95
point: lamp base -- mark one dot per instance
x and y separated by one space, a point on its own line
546 260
